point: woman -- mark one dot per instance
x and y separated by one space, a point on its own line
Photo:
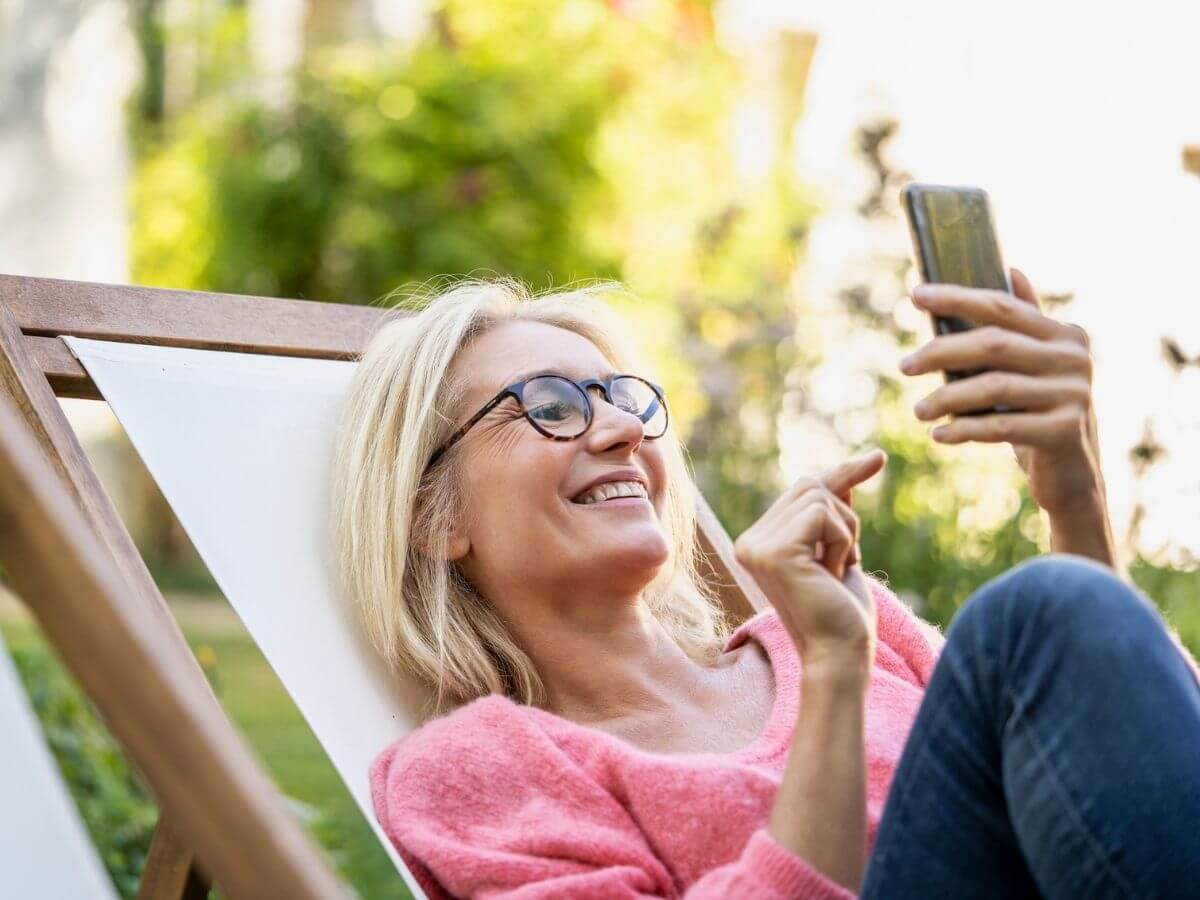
515 525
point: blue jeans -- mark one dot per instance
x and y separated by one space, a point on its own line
1056 752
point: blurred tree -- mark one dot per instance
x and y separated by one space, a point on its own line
460 155
148 26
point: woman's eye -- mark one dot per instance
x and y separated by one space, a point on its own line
552 412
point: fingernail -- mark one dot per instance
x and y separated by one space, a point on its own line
908 363
938 432
921 409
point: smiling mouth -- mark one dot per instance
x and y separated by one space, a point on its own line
612 492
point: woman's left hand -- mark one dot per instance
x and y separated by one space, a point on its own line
1040 368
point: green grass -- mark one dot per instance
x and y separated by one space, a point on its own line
257 703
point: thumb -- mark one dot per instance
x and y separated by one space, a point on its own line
1023 288
841 478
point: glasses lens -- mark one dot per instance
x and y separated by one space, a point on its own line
638 397
556 405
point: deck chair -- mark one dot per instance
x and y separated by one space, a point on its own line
231 402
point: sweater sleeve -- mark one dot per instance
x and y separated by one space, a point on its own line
768 869
481 815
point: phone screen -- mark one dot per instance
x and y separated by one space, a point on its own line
955 237
955 242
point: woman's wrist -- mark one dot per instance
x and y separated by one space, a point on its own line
837 669
1084 530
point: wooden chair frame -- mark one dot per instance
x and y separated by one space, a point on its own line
72 561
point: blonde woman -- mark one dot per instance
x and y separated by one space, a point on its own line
515 524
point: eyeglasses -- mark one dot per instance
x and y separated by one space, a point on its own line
561 409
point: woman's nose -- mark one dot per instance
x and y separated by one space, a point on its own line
612 425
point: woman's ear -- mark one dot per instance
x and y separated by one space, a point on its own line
458 546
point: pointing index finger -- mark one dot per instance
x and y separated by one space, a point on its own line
841 478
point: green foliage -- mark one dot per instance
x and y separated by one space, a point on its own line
738 326
150 98
119 813
1176 592
464 153
260 707
914 538
115 806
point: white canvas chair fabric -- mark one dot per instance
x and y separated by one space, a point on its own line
45 851
241 446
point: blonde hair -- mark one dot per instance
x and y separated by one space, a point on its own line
391 513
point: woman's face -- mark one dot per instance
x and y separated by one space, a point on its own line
525 533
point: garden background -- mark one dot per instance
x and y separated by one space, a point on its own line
336 150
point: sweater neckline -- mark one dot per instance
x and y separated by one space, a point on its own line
765 627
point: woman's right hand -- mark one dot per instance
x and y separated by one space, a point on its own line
803 554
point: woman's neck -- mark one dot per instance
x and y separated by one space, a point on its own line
605 662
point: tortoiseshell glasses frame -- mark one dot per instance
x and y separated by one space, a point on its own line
517 390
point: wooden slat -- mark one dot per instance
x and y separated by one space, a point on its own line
48 307
739 592
21 381
194 761
169 855
171 872
67 376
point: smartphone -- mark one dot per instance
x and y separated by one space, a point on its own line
954 238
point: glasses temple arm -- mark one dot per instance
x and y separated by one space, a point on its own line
487 408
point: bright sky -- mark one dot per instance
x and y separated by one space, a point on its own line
1073 117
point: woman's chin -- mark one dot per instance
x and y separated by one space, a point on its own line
642 546
631 520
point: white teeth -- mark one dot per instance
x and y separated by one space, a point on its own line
613 489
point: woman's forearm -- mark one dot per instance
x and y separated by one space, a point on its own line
821 810
1085 531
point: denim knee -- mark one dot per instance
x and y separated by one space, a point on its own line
1065 597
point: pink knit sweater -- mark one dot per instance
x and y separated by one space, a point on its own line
497 799
501 800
